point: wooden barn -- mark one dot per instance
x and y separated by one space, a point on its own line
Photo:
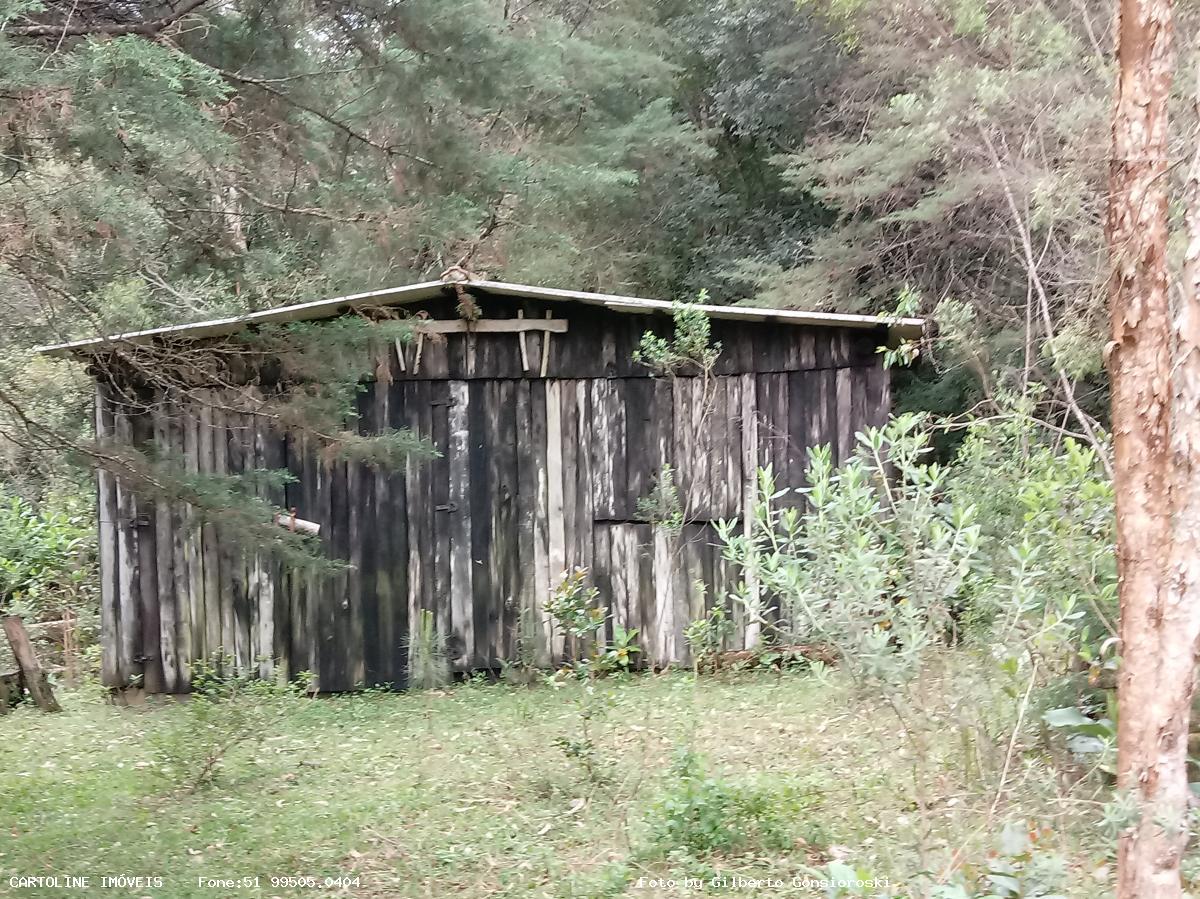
548 434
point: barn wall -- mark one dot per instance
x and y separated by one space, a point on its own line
536 476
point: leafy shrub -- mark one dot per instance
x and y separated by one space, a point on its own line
226 709
572 605
45 557
705 636
702 814
871 569
662 506
1047 565
690 346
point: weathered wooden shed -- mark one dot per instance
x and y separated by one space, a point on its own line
548 432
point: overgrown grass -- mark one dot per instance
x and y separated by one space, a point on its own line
468 792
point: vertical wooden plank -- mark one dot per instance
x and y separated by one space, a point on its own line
681 443
641 459
376 570
554 480
584 511
820 401
458 455
209 557
844 415
602 574
614 395
439 473
236 581
399 537
750 456
146 531
128 579
859 388
662 600
385 526
781 446
179 526
193 544
419 510
878 398
696 582
505 546
702 420
724 455
164 563
353 648
601 449
334 595
527 503
222 549
732 450
572 445
544 576
106 490
493 558
840 347
800 391
340 660
480 486
305 653
622 581
642 592
267 642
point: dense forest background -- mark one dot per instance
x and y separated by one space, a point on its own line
172 162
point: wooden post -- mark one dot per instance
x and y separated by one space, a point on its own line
35 679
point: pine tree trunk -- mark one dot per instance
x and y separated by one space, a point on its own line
1155 455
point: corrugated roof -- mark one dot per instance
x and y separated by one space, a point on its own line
399 296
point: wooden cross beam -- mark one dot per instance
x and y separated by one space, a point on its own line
491 326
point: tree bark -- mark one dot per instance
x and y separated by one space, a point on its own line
35 679
1156 442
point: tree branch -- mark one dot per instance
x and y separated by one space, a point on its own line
266 85
65 30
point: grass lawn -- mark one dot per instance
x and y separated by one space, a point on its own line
491 790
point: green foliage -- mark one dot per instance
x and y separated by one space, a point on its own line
689 349
428 662
906 351
227 709
1018 867
572 605
706 636
1047 568
918 177
45 557
701 814
620 653
662 506
874 565
823 753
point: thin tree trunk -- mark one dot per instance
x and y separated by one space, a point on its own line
1157 634
35 678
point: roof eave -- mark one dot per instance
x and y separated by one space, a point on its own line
898 328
